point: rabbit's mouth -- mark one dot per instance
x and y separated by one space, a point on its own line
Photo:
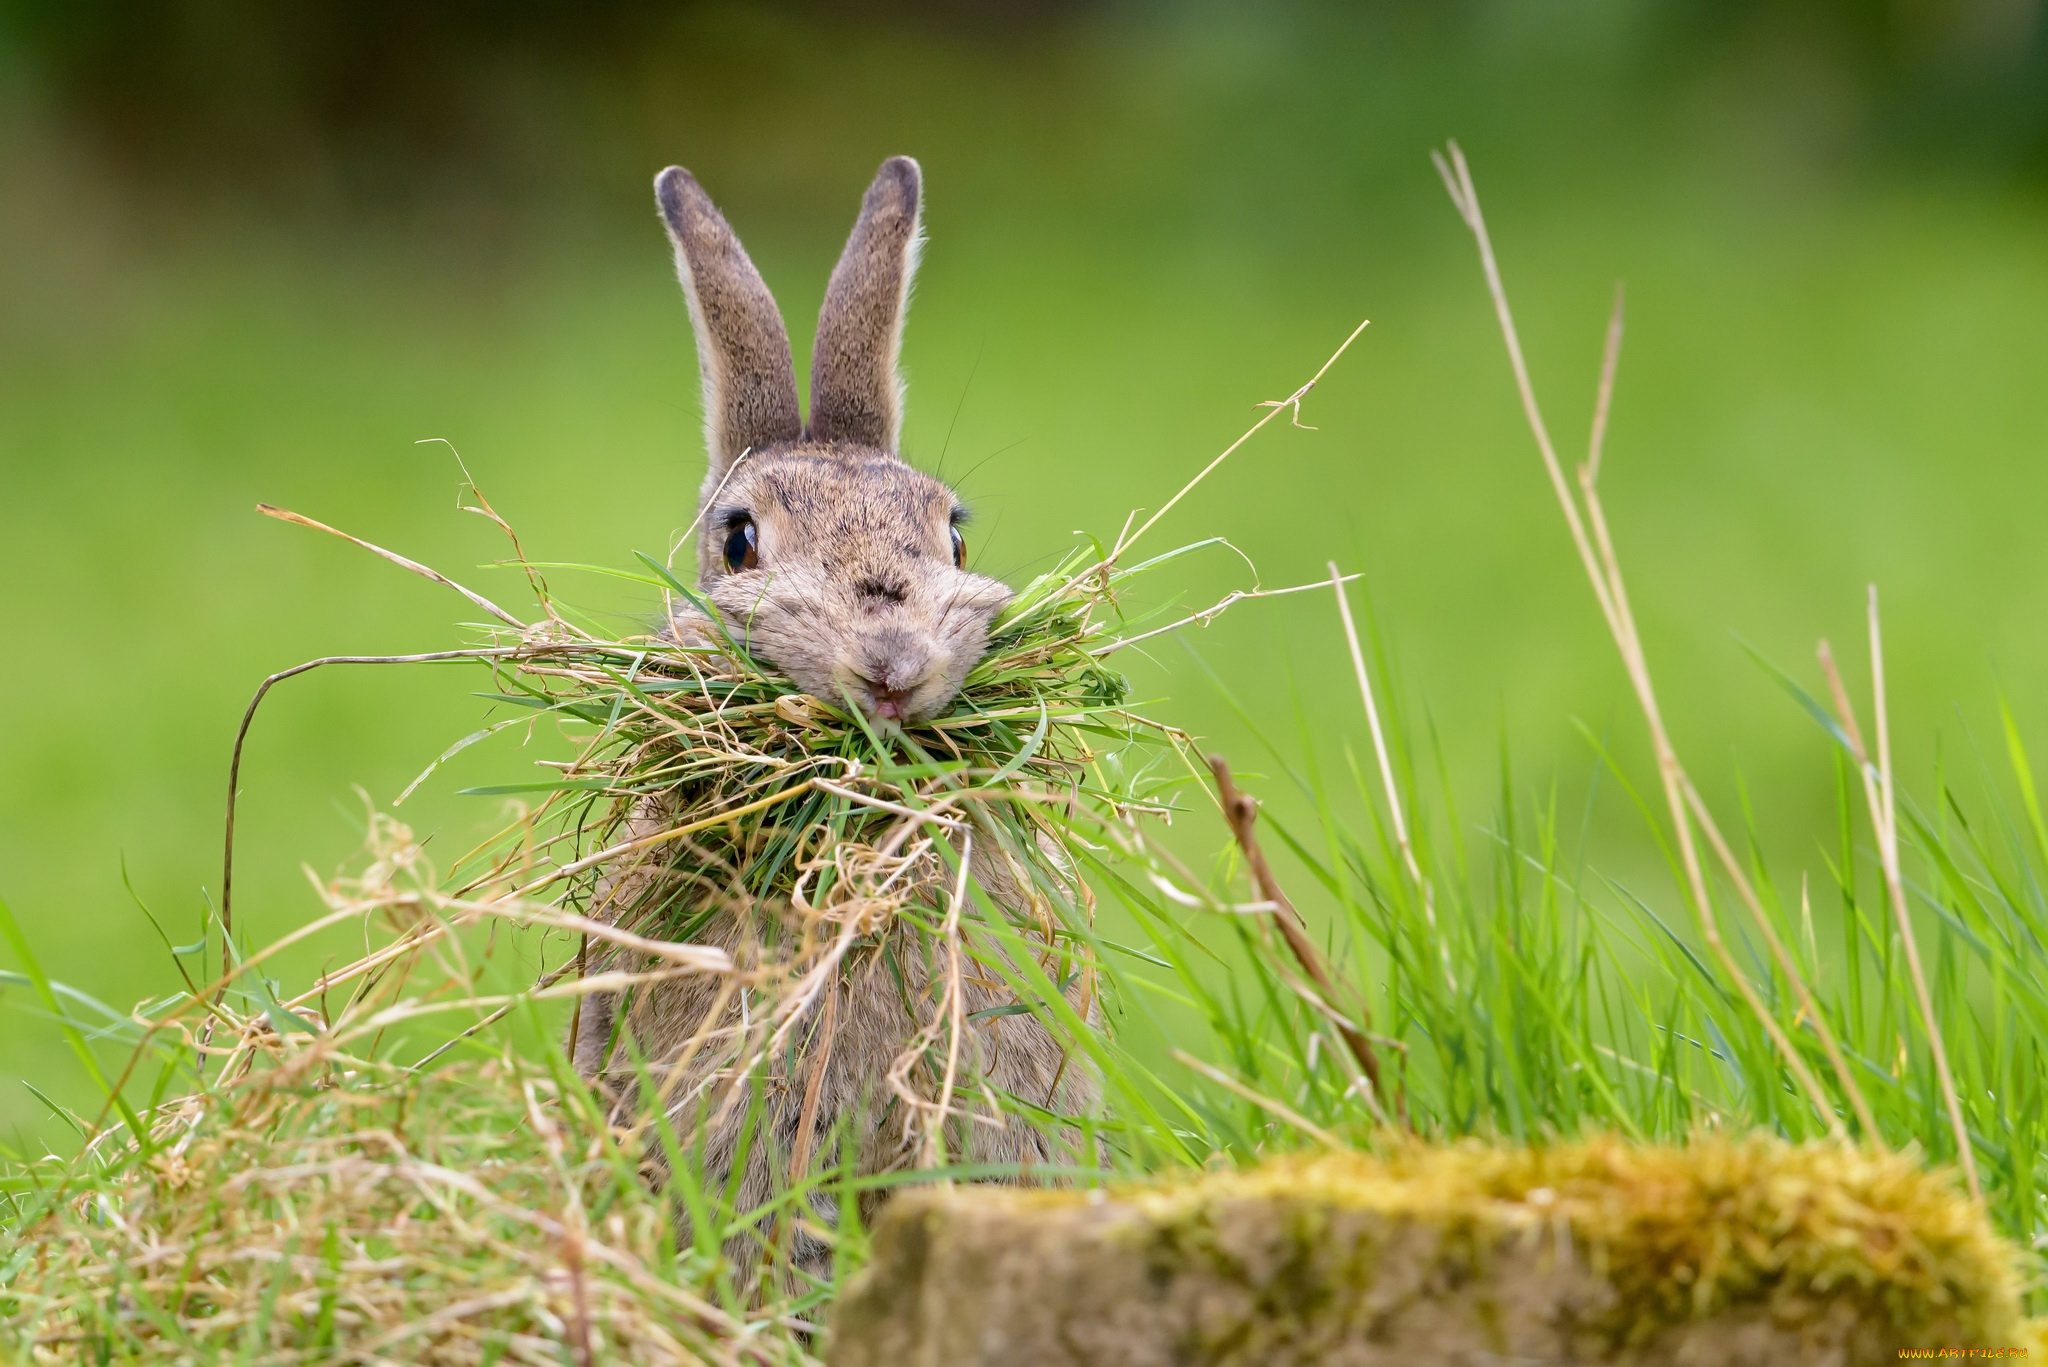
904 704
904 688
889 704
896 673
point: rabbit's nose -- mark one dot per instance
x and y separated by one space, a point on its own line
893 660
891 666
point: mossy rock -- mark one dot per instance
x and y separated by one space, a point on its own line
1719 1253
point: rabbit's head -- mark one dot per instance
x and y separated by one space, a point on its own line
825 553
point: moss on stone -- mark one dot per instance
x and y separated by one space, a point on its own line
1599 1251
1678 1233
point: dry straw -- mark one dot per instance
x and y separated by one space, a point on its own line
1587 521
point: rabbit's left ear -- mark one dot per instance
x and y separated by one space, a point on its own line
856 395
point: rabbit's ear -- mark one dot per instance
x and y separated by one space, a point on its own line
742 349
855 394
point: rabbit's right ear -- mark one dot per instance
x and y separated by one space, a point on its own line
856 393
742 348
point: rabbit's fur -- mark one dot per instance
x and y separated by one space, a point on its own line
856 595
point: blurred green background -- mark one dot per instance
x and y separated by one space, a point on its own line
251 251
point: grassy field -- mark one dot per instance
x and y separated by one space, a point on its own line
1461 979
1831 378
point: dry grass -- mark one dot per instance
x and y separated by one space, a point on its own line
317 1211
314 1199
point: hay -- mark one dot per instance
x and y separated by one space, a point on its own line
317 1212
315 1199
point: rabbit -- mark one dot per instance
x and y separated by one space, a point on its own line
848 568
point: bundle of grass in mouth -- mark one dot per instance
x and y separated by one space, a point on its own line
911 980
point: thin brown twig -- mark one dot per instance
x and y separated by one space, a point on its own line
1457 178
1242 812
483 509
227 860
1610 360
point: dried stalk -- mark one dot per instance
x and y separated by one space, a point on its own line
1242 812
1212 612
227 860
951 1017
1274 408
1603 571
1879 798
1394 808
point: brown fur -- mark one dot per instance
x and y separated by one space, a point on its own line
856 596
856 395
742 349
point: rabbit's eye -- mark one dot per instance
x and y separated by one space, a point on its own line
959 550
741 549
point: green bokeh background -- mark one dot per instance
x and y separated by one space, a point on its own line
244 260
